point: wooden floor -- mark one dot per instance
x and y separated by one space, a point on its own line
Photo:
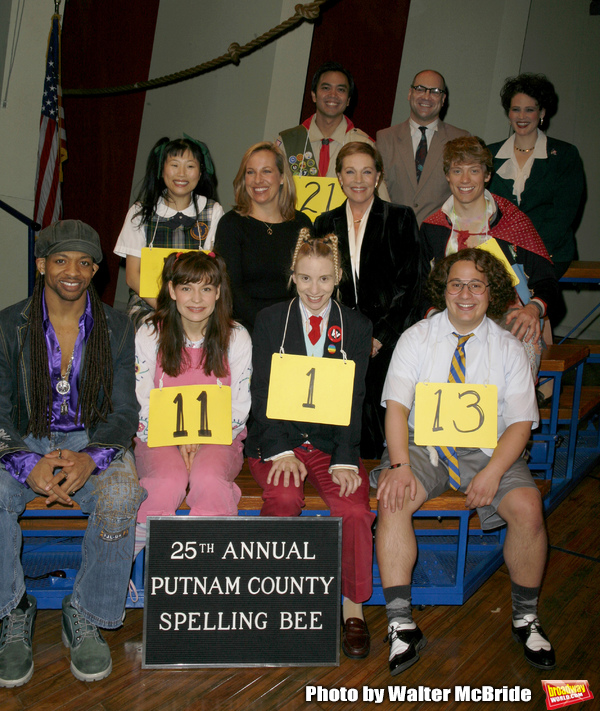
468 645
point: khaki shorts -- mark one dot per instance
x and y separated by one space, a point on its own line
435 480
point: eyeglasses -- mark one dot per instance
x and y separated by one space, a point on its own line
420 89
475 286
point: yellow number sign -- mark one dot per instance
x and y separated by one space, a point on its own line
493 247
153 261
190 414
456 415
306 389
317 195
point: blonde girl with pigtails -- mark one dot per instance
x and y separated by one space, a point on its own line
284 454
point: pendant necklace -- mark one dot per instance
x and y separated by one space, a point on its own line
269 228
63 386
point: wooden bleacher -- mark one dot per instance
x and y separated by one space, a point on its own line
38 515
443 525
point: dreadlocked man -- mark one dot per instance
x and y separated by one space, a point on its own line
68 413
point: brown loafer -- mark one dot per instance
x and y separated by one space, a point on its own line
356 640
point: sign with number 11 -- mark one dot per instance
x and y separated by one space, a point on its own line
190 414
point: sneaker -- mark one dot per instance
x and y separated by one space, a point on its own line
90 655
16 655
537 648
405 642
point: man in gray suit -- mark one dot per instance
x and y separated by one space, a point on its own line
412 151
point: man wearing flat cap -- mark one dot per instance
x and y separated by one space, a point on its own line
68 413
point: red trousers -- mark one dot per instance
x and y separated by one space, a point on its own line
357 518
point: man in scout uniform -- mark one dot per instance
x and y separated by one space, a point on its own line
312 147
461 344
68 413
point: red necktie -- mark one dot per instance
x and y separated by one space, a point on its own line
324 157
315 329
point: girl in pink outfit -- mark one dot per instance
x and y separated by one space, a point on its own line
192 339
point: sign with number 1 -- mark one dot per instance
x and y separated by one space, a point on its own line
307 389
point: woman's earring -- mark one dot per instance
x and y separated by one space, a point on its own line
542 121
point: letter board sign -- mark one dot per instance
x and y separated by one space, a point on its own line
242 591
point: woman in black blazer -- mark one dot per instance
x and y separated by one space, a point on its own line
380 255
283 453
542 176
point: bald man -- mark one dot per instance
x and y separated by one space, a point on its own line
412 151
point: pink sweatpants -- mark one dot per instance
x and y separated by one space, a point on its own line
212 489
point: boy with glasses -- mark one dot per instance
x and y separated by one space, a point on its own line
461 344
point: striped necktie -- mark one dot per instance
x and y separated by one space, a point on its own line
458 369
421 152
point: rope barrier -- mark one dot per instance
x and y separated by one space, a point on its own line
304 12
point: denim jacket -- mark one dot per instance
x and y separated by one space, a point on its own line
121 423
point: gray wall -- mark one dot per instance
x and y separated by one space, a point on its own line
475 44
19 131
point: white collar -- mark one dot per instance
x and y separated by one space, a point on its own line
324 314
510 170
416 127
490 207
507 149
446 329
163 210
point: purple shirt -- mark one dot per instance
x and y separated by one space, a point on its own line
19 464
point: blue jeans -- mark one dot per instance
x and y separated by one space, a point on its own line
111 500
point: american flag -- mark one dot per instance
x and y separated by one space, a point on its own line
52 147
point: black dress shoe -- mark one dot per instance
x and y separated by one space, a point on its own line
401 655
540 658
356 640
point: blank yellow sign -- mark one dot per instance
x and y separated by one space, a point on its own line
307 389
456 415
493 247
190 414
153 261
317 195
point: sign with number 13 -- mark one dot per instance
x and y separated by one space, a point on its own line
456 415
